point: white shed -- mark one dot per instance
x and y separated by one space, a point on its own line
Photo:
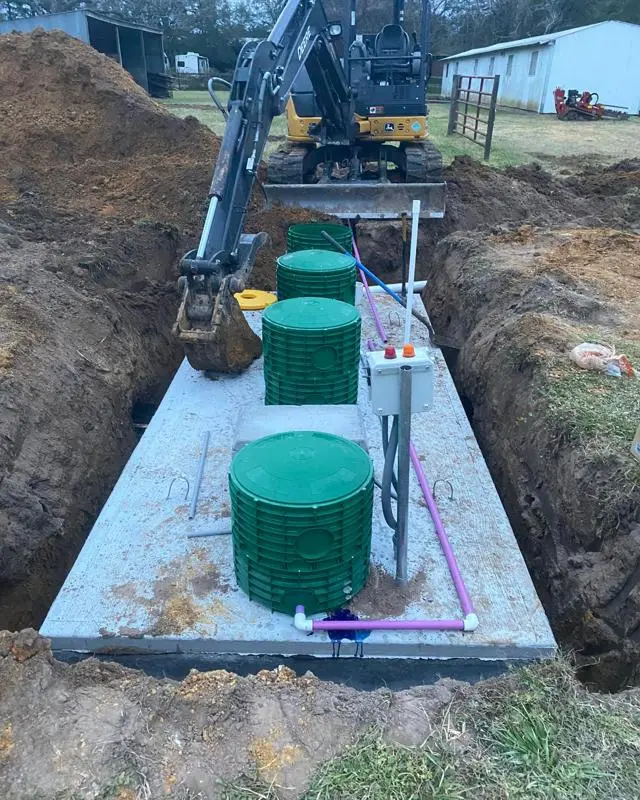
603 58
192 64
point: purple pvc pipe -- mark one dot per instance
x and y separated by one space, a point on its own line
390 625
371 345
372 305
461 589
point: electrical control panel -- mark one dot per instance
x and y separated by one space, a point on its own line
383 368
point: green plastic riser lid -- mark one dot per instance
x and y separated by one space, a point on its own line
301 468
317 261
311 313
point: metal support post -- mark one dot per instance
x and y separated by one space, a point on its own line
492 118
453 104
404 464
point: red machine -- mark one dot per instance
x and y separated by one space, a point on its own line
573 105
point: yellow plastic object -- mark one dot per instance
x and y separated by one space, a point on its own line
254 299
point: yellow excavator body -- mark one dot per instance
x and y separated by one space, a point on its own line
371 129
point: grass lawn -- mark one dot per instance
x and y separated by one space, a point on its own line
519 137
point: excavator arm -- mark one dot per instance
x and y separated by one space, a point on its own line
263 77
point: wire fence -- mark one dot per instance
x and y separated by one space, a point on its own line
471 114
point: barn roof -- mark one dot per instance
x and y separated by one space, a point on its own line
545 38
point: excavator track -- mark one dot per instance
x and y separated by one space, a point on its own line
423 163
286 165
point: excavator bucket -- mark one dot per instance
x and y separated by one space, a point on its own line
224 344
367 200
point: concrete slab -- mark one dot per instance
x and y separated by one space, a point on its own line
140 585
258 420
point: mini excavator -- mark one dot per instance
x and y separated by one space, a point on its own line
357 147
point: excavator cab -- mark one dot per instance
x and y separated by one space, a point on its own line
389 151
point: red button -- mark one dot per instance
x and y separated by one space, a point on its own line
389 352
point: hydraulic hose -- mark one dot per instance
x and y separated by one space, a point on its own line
214 96
385 445
388 476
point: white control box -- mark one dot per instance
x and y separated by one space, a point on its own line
384 380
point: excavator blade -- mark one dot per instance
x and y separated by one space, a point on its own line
367 200
226 343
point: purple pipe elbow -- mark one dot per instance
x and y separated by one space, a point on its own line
461 589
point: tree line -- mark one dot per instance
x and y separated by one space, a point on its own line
216 28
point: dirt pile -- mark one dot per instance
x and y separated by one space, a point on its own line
485 199
557 438
81 139
207 733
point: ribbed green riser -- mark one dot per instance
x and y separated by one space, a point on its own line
307 544
271 562
304 367
317 368
309 236
282 594
301 505
287 290
295 395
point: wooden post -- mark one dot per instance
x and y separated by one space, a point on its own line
453 105
492 118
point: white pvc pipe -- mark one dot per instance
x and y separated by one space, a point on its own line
415 217
207 227
418 286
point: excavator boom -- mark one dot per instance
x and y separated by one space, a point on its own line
209 323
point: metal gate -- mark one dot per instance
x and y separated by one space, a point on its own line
471 114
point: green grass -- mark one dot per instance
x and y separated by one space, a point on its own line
519 136
375 770
192 96
548 739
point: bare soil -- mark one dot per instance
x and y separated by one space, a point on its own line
77 731
100 190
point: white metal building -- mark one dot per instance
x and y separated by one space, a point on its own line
192 64
603 58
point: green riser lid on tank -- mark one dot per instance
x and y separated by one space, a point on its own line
316 273
311 351
308 236
301 510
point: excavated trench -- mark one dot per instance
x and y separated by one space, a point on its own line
102 190
524 267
